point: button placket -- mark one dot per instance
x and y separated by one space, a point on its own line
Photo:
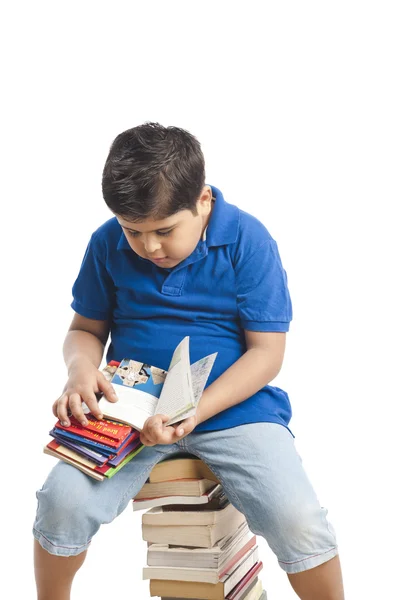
173 284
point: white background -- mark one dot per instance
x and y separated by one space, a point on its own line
296 107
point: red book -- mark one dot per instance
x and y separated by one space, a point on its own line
250 544
245 581
104 431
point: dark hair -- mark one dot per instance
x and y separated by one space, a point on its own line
153 171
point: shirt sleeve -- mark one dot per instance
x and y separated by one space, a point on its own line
263 299
93 290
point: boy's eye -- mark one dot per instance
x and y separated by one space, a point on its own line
135 234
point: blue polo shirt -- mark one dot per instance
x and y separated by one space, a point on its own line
233 280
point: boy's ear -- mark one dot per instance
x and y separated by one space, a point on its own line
204 203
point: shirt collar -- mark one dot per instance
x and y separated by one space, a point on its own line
222 228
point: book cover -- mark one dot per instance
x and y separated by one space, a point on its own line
111 471
245 582
177 500
181 468
116 460
180 487
102 448
110 429
92 434
84 451
74 463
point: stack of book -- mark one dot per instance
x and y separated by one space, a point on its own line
199 545
103 447
99 449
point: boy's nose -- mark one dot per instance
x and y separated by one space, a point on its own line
151 245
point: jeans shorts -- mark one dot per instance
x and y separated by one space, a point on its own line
257 465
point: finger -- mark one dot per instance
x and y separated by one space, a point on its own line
155 428
184 428
106 388
61 406
92 404
75 404
187 426
168 436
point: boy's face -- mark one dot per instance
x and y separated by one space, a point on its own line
169 241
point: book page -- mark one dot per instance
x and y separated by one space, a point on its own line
177 395
133 406
199 376
200 373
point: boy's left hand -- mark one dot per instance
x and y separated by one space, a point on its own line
156 432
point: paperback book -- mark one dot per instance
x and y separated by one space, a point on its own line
144 390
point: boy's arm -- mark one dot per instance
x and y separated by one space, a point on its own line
83 350
256 368
85 340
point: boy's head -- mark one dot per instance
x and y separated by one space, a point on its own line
154 182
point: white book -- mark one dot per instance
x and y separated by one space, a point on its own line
169 500
190 589
201 536
144 390
202 575
255 593
208 558
159 516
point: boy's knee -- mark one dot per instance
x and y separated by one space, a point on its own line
61 501
291 521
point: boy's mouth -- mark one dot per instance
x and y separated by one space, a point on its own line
159 260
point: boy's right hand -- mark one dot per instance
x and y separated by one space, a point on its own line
84 381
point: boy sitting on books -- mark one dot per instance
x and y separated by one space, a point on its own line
178 260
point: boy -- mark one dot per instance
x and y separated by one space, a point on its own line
178 260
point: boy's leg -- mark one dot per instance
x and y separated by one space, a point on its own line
71 508
264 479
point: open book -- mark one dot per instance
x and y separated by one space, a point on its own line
144 390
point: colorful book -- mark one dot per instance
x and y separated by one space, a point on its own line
85 465
116 435
102 448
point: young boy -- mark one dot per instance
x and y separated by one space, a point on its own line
177 260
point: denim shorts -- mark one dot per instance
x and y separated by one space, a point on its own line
258 466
